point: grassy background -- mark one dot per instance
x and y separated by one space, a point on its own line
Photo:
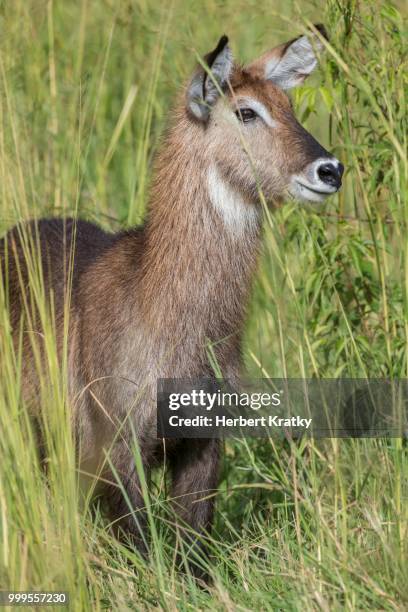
85 90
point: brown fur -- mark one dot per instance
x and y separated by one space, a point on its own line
145 302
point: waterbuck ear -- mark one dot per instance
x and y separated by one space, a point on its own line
205 86
291 63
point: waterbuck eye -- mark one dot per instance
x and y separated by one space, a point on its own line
245 114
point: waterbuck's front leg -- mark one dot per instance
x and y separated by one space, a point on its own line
124 497
195 472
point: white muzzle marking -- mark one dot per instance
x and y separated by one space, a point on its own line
308 186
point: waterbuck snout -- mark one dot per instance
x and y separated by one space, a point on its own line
145 304
319 173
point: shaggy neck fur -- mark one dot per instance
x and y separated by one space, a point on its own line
201 245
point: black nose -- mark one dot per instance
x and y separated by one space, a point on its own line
331 173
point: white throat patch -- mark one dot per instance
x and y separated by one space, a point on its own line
238 214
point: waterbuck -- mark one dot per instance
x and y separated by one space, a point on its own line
145 303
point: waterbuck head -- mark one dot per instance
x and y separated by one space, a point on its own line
249 128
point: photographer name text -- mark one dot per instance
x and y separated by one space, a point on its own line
295 422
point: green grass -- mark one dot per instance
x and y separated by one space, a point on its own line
85 90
